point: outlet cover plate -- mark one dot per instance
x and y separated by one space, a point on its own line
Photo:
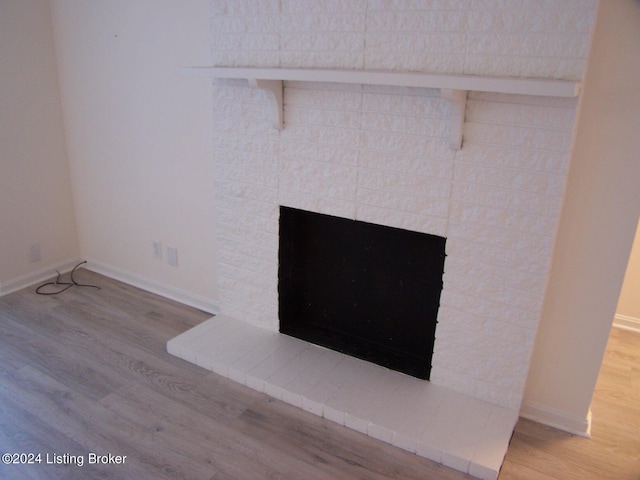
172 256
157 250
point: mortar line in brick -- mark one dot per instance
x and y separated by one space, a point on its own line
280 37
546 174
450 199
487 205
356 203
502 228
474 265
524 126
322 109
258 230
238 271
465 64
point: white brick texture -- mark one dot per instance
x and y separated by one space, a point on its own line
380 154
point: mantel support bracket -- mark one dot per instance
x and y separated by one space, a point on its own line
274 92
457 107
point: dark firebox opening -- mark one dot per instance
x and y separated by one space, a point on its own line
366 290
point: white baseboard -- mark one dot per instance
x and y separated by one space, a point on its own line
153 286
553 418
39 276
627 323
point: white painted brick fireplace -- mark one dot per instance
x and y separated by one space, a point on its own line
381 155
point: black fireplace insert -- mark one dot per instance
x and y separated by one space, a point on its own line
366 290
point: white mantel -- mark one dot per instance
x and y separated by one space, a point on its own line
454 88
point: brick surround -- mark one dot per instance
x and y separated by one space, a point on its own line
381 155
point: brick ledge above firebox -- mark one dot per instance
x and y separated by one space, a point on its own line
456 430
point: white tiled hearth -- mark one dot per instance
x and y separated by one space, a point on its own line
432 421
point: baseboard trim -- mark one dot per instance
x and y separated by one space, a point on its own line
38 276
627 323
153 286
553 418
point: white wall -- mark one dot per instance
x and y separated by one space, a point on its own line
35 193
597 226
138 139
628 310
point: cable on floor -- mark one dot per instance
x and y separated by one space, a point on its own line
63 286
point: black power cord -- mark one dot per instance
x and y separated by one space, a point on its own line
63 286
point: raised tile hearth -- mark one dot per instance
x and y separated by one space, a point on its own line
457 430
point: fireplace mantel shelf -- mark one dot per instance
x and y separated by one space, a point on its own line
454 88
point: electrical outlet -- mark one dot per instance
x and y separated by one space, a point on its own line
157 250
34 253
172 256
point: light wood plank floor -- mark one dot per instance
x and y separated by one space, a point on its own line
87 371
613 451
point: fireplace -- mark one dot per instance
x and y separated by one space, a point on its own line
380 155
369 157
496 202
363 289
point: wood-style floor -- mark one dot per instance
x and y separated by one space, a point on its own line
87 371
613 451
